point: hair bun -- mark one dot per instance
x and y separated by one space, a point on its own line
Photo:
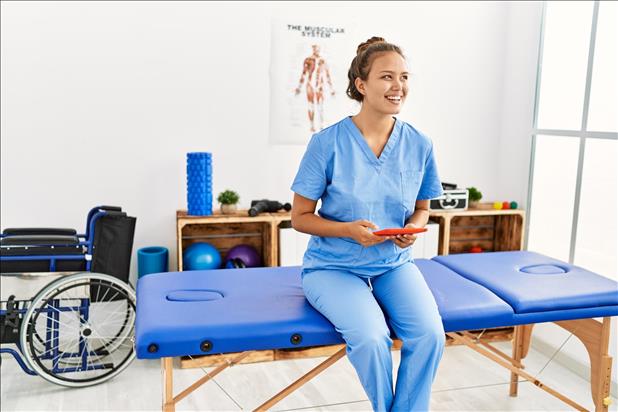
364 46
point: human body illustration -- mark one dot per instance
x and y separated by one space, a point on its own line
315 73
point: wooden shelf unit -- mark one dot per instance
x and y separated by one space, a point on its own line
491 230
227 231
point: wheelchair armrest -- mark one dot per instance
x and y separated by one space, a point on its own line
38 240
39 231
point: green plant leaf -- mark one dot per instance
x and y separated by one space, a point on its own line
228 197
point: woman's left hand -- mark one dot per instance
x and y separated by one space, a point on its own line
404 241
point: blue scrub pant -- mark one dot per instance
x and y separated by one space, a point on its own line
357 307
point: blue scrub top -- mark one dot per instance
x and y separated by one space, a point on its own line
340 169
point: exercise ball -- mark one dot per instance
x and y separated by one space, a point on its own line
201 256
246 254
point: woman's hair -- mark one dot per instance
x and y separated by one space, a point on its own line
361 64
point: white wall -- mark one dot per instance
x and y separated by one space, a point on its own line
108 97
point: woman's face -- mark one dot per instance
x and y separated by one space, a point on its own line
386 87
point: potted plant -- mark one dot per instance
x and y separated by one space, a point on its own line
474 195
228 200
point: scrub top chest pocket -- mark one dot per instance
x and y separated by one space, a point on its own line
410 184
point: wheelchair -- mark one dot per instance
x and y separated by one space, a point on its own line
78 330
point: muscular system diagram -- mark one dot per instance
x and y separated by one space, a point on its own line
316 73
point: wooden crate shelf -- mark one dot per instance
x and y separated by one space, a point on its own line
491 230
227 231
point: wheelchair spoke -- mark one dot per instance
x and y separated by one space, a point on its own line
108 344
70 345
59 355
70 309
57 321
110 315
111 354
121 343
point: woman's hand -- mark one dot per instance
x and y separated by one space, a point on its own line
360 230
404 241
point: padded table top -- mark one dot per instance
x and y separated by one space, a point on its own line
462 303
530 282
232 310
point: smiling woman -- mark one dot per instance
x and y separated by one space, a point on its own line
371 171
389 83
362 63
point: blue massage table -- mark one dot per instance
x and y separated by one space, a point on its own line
240 311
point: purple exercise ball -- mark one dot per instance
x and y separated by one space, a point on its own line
250 257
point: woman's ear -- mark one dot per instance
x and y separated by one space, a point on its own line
360 85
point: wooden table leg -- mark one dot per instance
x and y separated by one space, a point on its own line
595 337
516 355
521 345
167 369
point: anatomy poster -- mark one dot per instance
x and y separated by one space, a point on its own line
308 78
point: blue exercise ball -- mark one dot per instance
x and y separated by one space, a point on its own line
201 256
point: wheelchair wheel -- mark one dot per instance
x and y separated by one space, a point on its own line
79 330
106 346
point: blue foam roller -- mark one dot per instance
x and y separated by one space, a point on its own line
199 183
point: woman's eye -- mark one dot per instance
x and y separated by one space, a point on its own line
404 77
388 77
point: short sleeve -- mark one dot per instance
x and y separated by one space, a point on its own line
431 187
310 180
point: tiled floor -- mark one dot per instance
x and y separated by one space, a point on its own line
466 382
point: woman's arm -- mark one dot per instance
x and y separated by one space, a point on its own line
419 218
305 220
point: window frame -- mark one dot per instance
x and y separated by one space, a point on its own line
583 133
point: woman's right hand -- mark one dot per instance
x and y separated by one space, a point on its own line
360 230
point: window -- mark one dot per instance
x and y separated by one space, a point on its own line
572 200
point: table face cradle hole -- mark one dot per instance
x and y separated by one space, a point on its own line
544 270
200 295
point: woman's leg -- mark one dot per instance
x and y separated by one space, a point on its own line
346 301
413 315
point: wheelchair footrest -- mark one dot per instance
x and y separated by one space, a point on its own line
10 320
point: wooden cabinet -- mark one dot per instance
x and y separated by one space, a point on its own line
227 231
491 230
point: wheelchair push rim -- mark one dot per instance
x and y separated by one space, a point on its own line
79 330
